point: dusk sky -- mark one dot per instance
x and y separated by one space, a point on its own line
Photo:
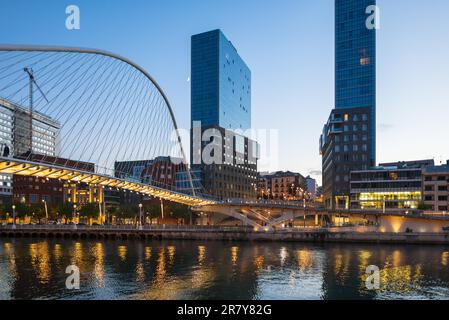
289 47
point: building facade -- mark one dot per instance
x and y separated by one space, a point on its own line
282 185
228 165
220 83
15 139
345 147
221 104
391 186
52 192
436 188
355 103
160 172
312 187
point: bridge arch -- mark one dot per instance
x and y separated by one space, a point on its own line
89 51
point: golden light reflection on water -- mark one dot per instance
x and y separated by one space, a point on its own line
140 272
258 262
234 255
402 279
122 251
341 266
40 261
99 272
160 268
57 252
201 255
171 250
147 253
364 257
305 259
445 258
78 254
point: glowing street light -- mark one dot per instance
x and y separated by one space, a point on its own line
46 209
74 215
13 216
140 215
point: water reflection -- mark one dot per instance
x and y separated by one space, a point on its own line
35 269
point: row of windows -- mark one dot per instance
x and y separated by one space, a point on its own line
355 148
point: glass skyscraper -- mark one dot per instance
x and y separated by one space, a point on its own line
355 61
221 83
348 142
221 101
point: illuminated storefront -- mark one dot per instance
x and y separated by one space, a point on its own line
393 186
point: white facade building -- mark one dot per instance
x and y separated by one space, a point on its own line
15 137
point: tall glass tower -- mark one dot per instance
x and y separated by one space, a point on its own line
221 83
355 61
221 100
348 142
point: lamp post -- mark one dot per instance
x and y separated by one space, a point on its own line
74 215
46 209
13 216
384 204
140 216
162 208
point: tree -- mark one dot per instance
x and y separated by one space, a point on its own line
66 210
178 210
37 211
89 210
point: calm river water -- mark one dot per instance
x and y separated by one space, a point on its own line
35 269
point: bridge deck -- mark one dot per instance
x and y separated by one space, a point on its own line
43 170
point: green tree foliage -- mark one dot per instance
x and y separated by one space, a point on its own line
66 210
89 210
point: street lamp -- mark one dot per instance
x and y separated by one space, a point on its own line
74 215
13 216
46 209
140 215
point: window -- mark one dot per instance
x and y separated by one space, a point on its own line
34 198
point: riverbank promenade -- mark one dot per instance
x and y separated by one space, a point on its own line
362 234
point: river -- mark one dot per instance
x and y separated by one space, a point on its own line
36 269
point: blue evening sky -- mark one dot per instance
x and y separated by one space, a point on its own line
288 44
